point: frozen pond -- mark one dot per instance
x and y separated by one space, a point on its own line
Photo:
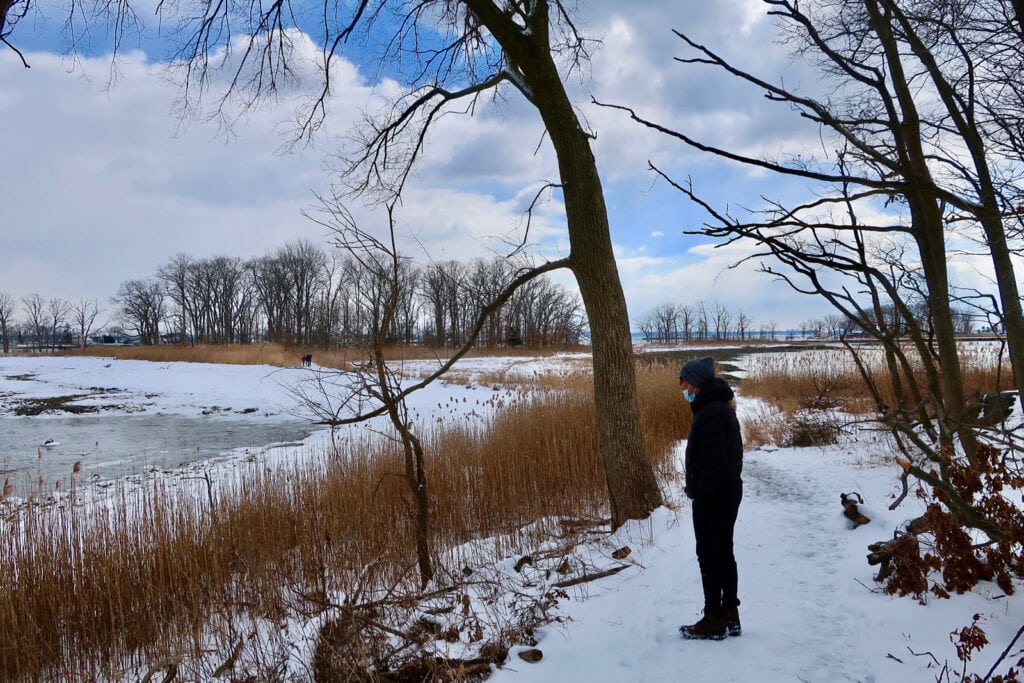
124 418
113 446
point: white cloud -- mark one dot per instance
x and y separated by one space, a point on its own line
441 224
102 186
708 274
638 264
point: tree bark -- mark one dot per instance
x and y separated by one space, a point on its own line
633 490
1018 8
928 232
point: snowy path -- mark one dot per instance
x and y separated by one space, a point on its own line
808 612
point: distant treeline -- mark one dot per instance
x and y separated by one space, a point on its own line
703 320
301 294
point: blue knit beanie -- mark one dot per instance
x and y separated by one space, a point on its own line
698 371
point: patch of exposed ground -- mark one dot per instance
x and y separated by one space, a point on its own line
29 407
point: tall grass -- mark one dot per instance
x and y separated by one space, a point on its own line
231 354
170 571
828 380
282 356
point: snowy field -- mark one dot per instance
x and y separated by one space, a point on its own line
810 609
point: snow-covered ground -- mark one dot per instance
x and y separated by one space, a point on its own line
810 612
810 609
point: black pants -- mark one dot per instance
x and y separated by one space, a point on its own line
714 518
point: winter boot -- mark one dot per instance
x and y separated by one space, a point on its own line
732 621
710 627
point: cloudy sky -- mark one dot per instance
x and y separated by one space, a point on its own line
103 180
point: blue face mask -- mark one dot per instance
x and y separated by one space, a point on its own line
688 396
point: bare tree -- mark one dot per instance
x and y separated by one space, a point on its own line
273 291
443 288
835 325
57 310
83 314
440 302
743 323
226 277
34 307
7 308
686 318
667 321
647 327
485 278
433 287
723 318
485 44
375 389
295 291
703 320
176 275
142 308
671 321
407 302
246 313
374 383
305 266
542 313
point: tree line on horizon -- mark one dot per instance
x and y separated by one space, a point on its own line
301 294
673 322
284 297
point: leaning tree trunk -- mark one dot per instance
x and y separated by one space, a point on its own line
632 487
928 233
1009 293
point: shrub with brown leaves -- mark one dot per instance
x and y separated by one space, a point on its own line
953 553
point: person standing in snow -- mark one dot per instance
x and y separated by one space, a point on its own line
714 462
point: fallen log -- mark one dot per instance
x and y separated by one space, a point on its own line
903 543
590 577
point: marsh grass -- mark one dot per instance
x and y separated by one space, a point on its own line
803 394
169 572
339 358
231 354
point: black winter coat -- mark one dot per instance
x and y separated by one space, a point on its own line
714 449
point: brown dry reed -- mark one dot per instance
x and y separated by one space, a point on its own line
790 383
281 356
169 572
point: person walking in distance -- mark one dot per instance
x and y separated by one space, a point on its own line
714 462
